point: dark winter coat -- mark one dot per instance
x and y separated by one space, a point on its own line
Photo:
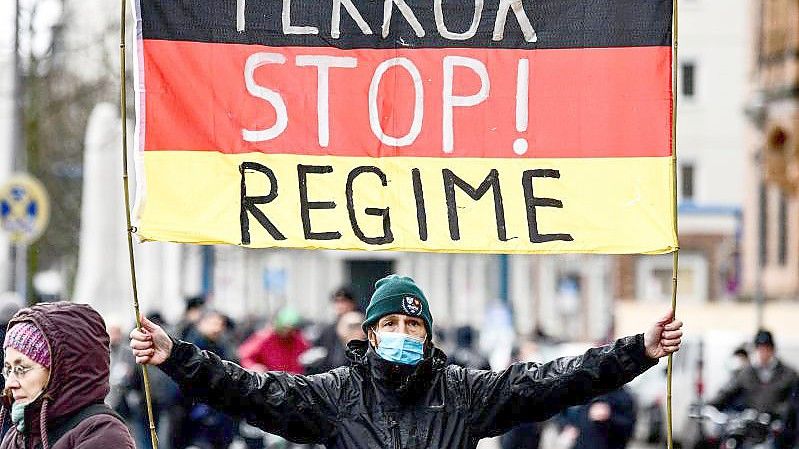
79 352
771 397
611 434
335 351
375 403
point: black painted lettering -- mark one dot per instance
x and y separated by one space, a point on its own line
305 206
387 236
533 202
490 182
249 203
421 212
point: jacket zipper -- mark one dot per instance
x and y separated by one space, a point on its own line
395 433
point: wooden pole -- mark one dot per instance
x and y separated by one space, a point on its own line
676 253
124 118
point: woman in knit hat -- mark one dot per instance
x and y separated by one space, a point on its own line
56 372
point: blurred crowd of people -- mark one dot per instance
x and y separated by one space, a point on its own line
288 342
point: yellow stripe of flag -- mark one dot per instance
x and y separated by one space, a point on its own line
605 205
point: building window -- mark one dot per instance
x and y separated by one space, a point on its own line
763 227
687 173
688 79
654 277
782 236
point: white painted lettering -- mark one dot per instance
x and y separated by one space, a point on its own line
253 62
335 22
521 17
418 107
406 11
288 28
240 9
323 64
442 27
451 101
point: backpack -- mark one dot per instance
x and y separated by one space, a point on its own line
62 426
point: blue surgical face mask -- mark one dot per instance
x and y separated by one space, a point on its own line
400 348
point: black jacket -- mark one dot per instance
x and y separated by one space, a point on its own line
377 404
771 397
611 434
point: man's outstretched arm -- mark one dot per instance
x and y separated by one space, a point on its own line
299 408
532 391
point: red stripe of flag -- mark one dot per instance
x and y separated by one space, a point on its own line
592 102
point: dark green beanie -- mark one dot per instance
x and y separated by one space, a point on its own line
397 294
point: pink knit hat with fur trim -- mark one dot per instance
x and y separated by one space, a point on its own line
26 338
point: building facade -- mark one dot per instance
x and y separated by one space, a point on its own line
714 50
771 244
565 297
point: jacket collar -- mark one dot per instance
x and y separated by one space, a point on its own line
407 381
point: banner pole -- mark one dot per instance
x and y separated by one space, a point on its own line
130 230
676 253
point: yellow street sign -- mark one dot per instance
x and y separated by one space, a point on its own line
24 208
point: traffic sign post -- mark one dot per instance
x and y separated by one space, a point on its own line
24 214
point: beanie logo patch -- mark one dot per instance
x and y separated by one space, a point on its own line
411 306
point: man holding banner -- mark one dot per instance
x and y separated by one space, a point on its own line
512 127
398 391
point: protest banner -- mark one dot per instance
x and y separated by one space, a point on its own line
536 126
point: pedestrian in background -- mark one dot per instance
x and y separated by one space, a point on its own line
204 426
464 353
766 386
334 350
607 422
56 372
194 311
277 347
122 370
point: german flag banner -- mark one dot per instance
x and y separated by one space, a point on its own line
499 126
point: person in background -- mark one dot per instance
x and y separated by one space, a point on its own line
607 422
792 419
276 348
204 426
464 354
122 367
334 352
193 313
56 371
525 435
740 359
740 362
349 328
765 386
